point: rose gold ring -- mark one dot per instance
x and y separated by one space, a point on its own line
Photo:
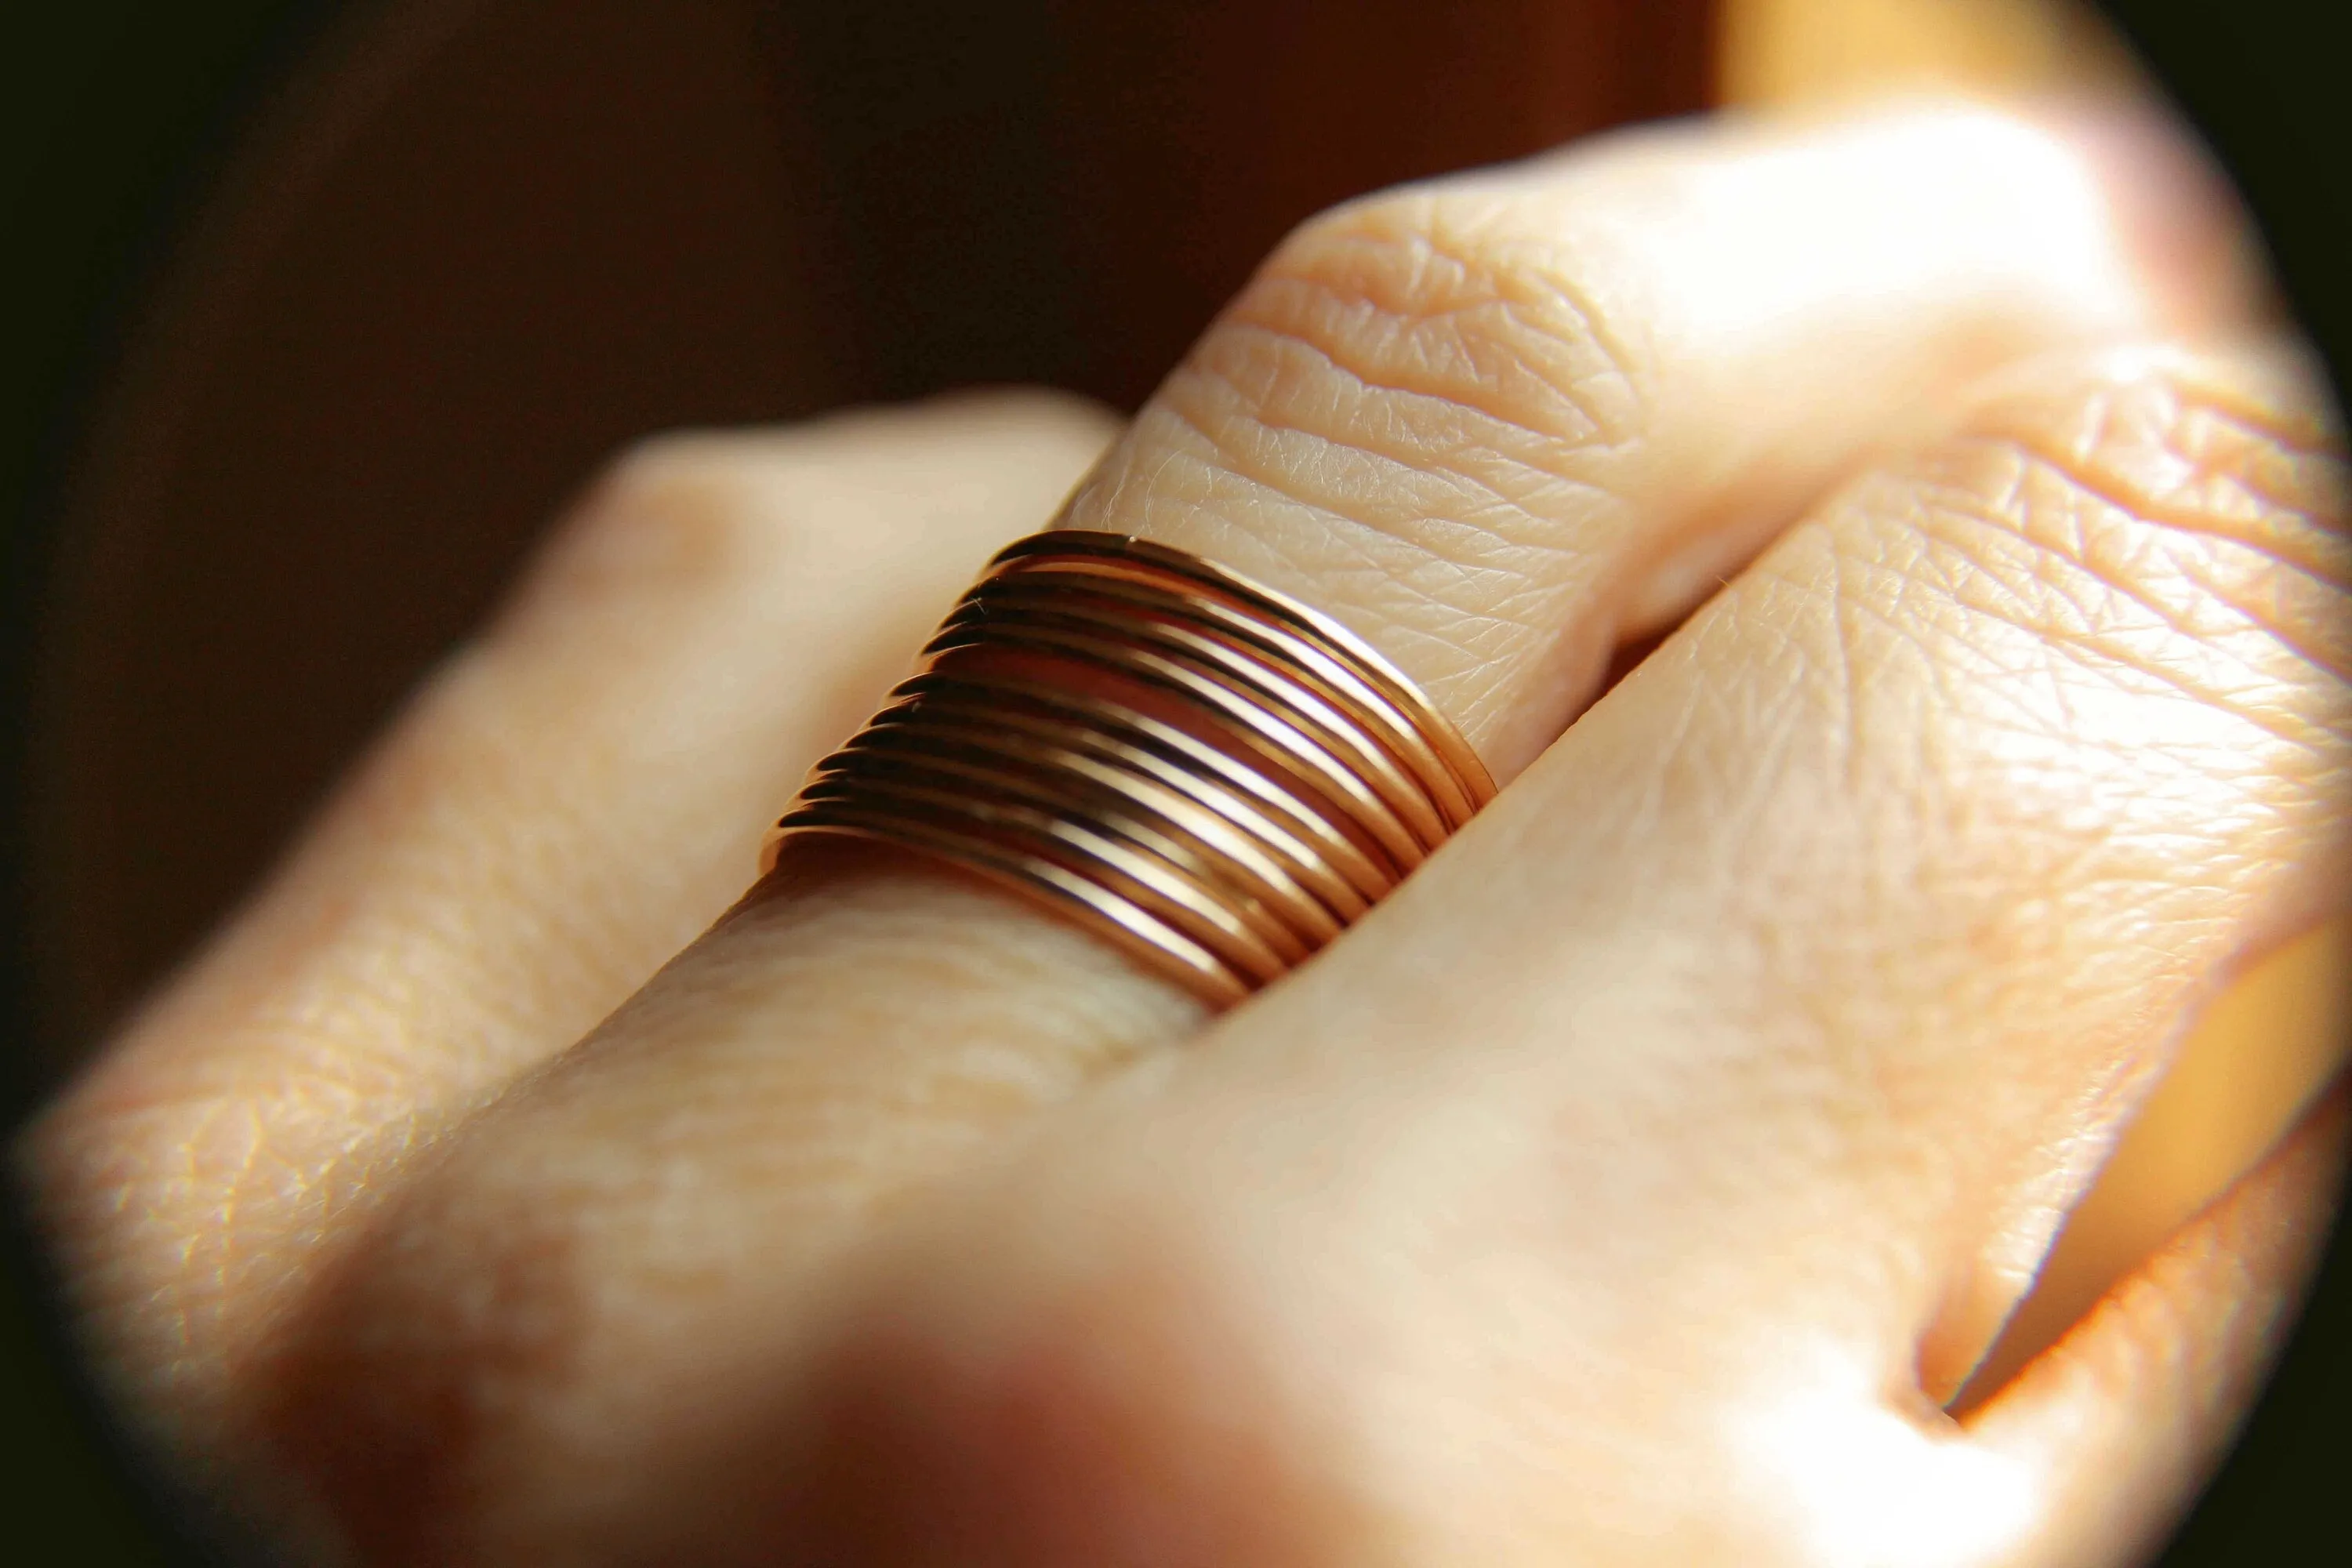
1194 767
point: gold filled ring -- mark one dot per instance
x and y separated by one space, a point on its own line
1202 770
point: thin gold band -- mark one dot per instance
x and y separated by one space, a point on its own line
1203 771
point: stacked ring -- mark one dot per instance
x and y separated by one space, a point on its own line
1203 771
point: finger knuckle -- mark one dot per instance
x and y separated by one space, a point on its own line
2152 514
683 506
1426 336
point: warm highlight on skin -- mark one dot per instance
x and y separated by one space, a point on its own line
1630 1188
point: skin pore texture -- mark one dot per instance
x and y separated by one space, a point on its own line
1635 1186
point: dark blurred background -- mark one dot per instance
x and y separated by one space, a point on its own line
331 306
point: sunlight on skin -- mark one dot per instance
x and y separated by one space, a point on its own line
1999 164
1864 1487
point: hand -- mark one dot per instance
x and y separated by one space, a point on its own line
1633 1187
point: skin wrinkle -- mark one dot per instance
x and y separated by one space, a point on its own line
2010 515
1561 428
2092 645
2265 602
1482 245
1545 413
2185 406
2094 651
1447 456
1428 530
2180 549
1461 521
2265 599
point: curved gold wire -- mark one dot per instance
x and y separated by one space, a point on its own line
1352 744
1155 945
1350 864
1227 705
1272 907
1141 878
1196 768
1199 841
1040 549
1297 855
1302 659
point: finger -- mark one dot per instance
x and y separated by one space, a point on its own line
1503 423
1654 1164
1487 424
567 802
2121 1421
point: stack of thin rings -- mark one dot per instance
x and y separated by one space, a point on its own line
1200 770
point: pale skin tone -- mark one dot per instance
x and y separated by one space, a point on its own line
1632 1189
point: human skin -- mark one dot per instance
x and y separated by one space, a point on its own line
1633 1187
